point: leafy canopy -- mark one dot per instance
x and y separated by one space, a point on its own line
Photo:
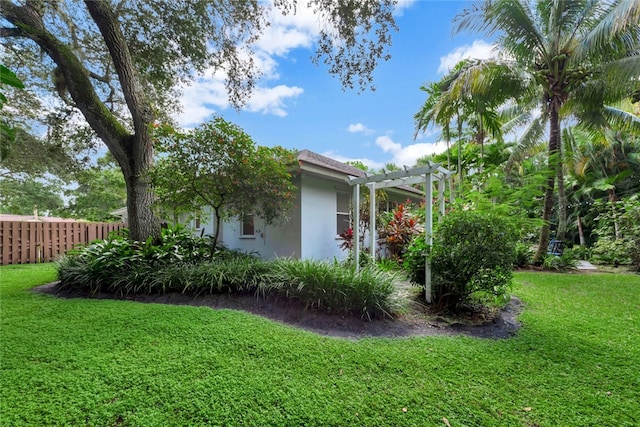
218 165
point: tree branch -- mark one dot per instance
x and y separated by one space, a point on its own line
123 63
11 32
29 25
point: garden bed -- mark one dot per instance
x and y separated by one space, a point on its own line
418 320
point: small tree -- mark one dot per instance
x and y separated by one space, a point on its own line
218 165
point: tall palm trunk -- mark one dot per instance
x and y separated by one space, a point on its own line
460 148
562 197
554 141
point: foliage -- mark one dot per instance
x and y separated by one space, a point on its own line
7 132
335 288
398 231
190 265
120 64
618 232
575 62
524 255
608 250
347 239
219 165
561 263
22 197
100 191
415 258
122 362
120 265
471 252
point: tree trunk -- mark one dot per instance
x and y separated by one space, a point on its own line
554 139
562 197
583 241
216 234
133 152
460 150
616 226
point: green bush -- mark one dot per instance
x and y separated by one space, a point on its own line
524 255
123 267
471 252
581 252
618 232
334 288
565 262
611 251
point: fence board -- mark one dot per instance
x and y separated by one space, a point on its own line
31 242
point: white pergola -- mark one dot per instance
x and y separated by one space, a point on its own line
423 174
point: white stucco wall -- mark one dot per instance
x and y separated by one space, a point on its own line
278 240
318 224
310 231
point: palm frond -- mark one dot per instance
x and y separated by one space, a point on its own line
615 20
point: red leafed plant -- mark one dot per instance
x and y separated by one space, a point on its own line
347 239
398 232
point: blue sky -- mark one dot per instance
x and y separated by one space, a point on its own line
299 105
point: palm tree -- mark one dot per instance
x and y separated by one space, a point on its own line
581 49
473 92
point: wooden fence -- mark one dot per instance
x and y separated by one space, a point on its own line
31 242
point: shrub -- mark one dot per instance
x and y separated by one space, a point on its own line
124 266
581 252
524 255
565 262
471 252
608 250
618 232
334 288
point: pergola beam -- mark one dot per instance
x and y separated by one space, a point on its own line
421 170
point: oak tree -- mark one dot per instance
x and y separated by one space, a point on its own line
119 62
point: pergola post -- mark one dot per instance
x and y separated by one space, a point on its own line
356 225
372 219
428 231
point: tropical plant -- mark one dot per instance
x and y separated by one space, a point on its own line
396 233
581 55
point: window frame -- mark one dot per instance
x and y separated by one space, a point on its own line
243 221
342 214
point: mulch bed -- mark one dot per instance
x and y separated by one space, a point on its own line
419 321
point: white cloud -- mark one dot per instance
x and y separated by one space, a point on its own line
271 100
402 5
358 127
478 50
387 144
408 155
287 32
208 95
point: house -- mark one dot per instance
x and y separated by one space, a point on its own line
320 214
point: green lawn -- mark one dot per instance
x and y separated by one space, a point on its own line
576 362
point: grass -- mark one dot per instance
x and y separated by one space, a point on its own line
121 363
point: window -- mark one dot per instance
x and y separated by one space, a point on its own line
248 227
342 214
